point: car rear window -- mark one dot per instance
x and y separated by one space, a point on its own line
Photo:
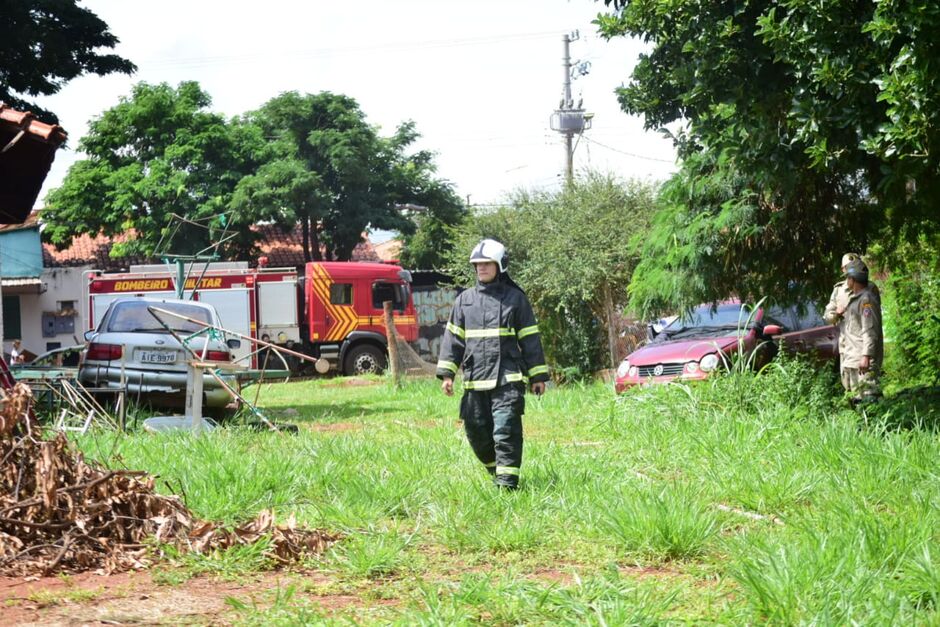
134 316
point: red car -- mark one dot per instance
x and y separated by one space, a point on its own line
695 345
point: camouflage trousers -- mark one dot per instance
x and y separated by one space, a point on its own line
860 384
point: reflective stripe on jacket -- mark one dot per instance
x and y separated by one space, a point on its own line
492 334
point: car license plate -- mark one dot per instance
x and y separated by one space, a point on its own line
157 357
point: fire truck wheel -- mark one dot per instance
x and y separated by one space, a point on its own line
364 359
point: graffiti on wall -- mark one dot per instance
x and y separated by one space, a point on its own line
432 305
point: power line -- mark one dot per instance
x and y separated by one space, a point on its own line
628 154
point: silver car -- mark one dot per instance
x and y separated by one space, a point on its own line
130 344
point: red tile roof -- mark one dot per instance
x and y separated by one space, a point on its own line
27 148
31 222
389 251
283 249
24 120
91 251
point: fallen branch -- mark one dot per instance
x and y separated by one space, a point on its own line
59 513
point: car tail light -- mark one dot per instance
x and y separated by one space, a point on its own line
104 352
218 356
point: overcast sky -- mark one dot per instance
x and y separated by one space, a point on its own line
479 77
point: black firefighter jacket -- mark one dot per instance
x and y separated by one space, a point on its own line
492 334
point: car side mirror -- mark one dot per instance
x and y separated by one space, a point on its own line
90 335
773 329
233 343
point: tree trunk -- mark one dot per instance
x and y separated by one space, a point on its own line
315 242
392 335
612 326
305 230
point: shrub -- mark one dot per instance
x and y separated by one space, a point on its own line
911 304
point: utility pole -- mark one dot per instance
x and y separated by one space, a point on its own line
568 119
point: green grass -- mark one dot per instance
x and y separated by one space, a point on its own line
230 564
741 500
44 598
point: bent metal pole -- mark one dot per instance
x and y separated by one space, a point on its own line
236 334
234 394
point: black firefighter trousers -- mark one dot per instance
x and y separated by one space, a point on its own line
493 422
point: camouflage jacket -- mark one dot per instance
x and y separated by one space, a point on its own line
860 333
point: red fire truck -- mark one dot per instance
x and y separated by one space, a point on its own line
334 311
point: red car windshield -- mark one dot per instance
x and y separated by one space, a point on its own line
134 316
708 320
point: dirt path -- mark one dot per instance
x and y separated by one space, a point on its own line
135 599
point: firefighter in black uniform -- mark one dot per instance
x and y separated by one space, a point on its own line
492 334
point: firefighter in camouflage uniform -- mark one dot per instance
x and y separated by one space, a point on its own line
493 336
861 339
840 294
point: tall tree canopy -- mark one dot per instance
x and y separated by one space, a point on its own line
158 152
46 43
330 171
307 159
427 247
807 129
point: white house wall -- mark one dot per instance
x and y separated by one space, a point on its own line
61 284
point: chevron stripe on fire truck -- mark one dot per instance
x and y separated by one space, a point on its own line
345 319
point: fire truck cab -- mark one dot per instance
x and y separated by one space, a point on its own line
334 311
345 312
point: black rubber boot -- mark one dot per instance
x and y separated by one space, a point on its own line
508 483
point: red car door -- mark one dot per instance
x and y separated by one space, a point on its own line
808 333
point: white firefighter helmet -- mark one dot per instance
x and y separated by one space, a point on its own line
490 250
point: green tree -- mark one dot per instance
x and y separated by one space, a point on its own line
330 171
426 248
805 129
571 251
911 295
157 153
581 249
46 43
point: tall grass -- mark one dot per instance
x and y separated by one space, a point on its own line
742 499
673 522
